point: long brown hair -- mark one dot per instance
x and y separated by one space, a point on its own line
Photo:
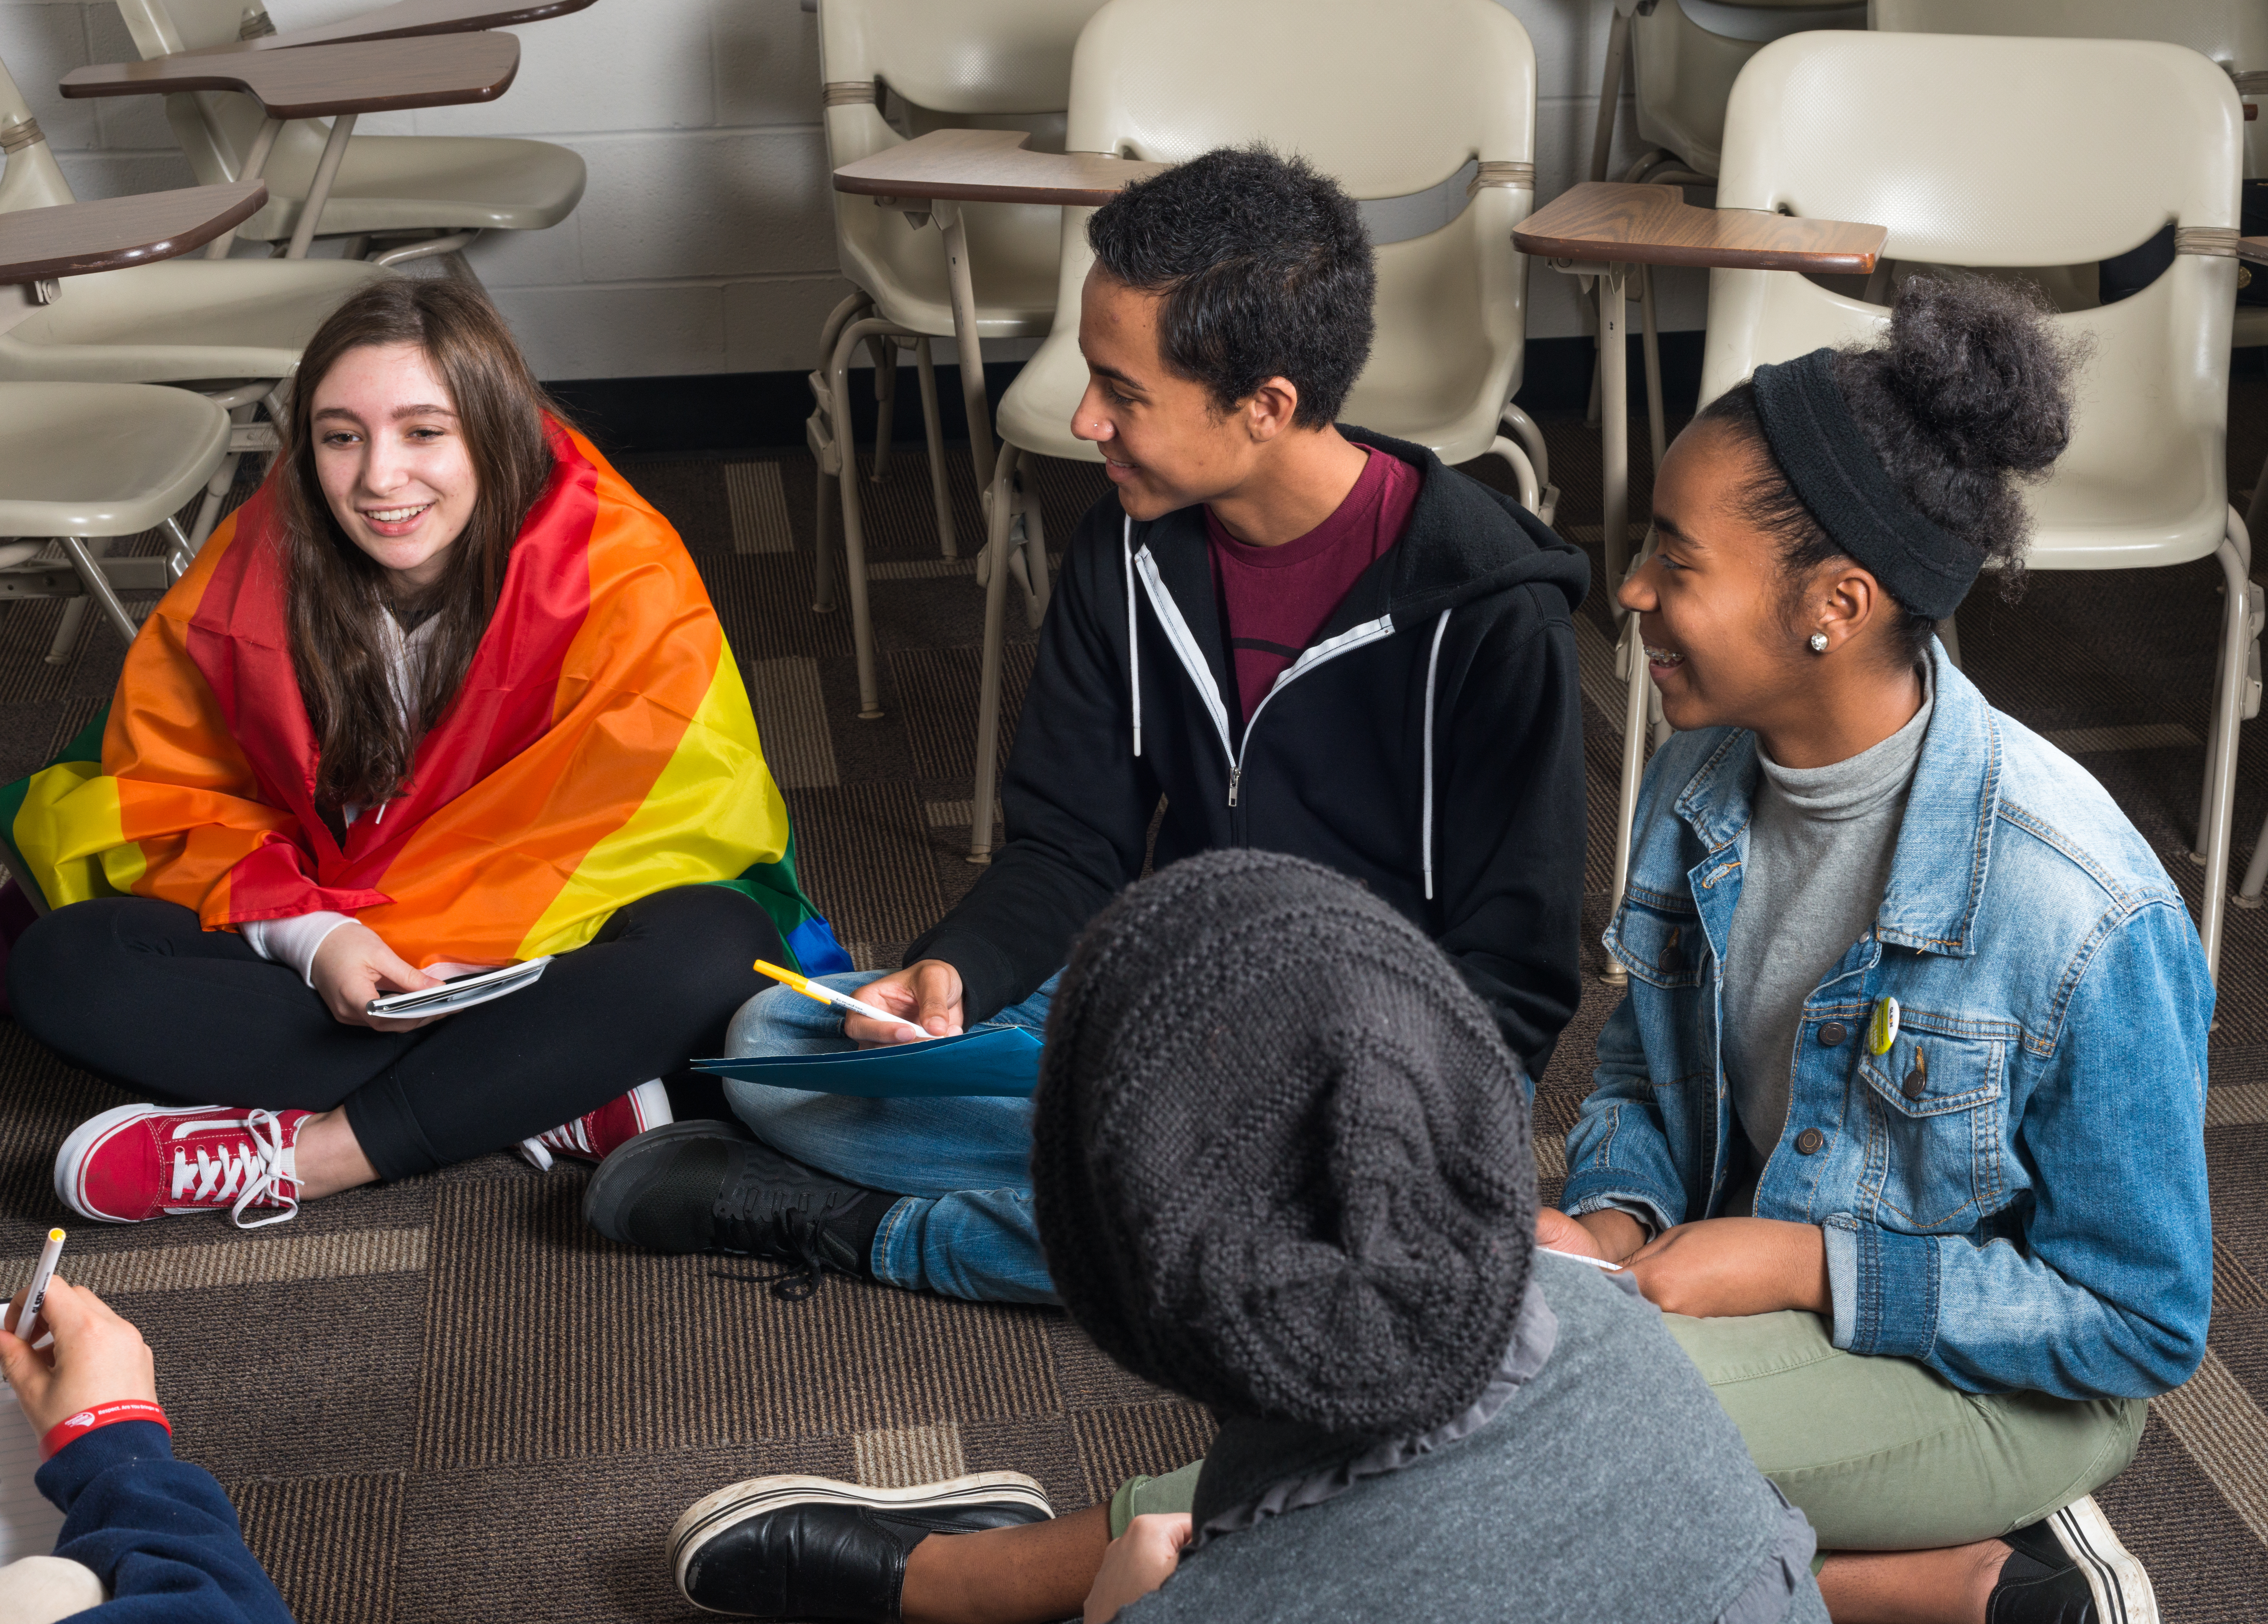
339 594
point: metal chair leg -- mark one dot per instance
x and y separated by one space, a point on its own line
1651 347
1614 422
2257 510
2218 771
1637 696
59 651
1949 634
98 585
1611 94
2228 712
885 351
822 554
933 431
822 432
181 552
854 535
1523 472
1530 436
217 491
1036 585
987 688
2255 873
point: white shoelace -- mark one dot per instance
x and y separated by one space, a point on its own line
252 1170
575 1135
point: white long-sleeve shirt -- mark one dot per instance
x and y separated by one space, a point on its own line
294 941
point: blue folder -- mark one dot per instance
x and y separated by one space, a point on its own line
1002 1061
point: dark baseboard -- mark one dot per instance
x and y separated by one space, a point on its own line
765 411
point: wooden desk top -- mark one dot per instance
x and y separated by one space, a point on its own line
378 76
2254 249
407 19
989 167
1602 221
76 239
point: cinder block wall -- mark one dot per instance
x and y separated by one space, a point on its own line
704 243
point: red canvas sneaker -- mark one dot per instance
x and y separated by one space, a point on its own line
594 1135
137 1162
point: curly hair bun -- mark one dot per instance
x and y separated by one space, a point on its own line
1965 397
1981 370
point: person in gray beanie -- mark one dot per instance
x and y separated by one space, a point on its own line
1281 1164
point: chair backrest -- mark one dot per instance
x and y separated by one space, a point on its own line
31 178
1390 98
994 64
2232 33
1685 68
215 128
1967 150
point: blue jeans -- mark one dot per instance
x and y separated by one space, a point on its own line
965 1227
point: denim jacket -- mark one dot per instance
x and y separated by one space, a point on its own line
2014 1193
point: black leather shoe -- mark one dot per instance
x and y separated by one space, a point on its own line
702 1186
2070 1569
810 1548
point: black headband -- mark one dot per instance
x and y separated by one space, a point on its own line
1819 447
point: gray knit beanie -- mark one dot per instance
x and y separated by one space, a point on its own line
1280 1153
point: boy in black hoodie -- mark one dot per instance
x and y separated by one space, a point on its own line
1307 639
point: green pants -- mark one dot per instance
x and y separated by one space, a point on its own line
1882 1454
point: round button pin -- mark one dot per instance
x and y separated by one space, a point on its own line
1883 1031
1807 1141
1833 1033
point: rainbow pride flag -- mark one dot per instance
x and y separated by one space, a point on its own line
601 748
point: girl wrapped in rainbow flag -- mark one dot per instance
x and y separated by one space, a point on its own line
445 695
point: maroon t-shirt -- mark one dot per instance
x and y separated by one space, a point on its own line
1276 598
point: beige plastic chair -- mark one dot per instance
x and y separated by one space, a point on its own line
992 65
233 329
1390 97
82 464
1682 70
438 192
2233 33
1968 150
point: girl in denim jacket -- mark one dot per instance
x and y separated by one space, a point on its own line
1901 1122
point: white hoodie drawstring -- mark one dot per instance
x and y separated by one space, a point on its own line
1133 647
1432 668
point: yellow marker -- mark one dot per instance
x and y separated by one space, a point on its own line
810 988
1883 1031
43 1272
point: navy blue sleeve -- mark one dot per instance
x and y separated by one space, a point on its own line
158 1531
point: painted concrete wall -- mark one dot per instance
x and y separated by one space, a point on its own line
704 243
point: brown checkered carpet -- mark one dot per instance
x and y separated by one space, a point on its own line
447 1400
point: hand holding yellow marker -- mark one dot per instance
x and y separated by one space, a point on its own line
810 988
36 1295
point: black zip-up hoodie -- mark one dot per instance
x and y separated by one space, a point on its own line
1428 744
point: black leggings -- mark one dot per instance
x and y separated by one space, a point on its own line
136 991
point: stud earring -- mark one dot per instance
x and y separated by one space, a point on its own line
1819 643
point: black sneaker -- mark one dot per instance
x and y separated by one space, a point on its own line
2070 1569
702 1186
807 1547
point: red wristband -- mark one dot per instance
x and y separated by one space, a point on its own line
102 1415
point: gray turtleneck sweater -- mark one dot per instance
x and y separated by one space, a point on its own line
1821 840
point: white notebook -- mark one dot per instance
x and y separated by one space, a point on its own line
28 1524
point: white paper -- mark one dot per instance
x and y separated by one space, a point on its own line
28 1524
